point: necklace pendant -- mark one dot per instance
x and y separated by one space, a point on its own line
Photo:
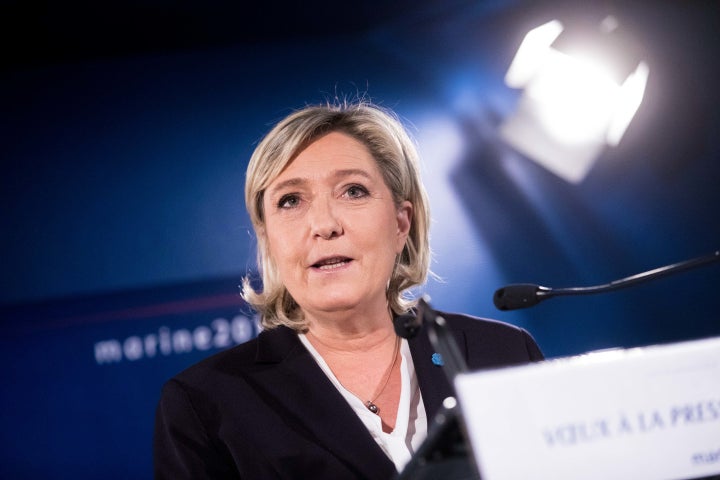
372 407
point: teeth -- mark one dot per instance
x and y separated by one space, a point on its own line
332 264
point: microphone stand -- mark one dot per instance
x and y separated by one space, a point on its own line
444 451
522 295
442 340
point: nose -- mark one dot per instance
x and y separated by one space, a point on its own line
324 221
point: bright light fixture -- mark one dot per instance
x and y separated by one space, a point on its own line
573 104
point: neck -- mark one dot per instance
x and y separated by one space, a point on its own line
332 340
362 353
351 331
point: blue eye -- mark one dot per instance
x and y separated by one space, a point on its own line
288 201
356 191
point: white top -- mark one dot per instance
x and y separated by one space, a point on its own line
411 421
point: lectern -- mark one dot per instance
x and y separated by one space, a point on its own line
641 413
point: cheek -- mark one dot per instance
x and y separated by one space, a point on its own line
276 247
282 246
384 238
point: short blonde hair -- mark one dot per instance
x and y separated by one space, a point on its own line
388 142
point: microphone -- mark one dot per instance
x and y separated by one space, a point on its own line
523 295
408 326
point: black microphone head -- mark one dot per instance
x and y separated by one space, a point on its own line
519 295
407 325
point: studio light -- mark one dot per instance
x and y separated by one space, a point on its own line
581 88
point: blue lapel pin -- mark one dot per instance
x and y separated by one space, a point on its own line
437 359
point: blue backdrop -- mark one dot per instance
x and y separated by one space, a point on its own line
125 237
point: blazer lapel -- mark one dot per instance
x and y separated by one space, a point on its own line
303 389
432 378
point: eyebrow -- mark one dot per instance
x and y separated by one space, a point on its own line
294 182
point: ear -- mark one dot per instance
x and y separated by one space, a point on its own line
404 221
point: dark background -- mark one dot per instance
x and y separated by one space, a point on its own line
126 128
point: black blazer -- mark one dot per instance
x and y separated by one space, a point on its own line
265 410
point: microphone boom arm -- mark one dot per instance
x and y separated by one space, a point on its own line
526 295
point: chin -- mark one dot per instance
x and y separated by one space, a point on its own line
330 304
329 300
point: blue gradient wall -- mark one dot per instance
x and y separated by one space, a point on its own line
123 219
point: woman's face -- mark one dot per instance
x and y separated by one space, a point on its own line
332 227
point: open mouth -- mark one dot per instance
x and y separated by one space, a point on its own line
332 263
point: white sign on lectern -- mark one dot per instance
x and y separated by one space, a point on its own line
643 413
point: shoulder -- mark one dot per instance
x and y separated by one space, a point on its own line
491 342
236 358
237 362
205 411
477 324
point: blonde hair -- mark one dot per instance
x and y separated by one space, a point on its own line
388 142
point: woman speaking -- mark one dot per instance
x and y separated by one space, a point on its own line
327 390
